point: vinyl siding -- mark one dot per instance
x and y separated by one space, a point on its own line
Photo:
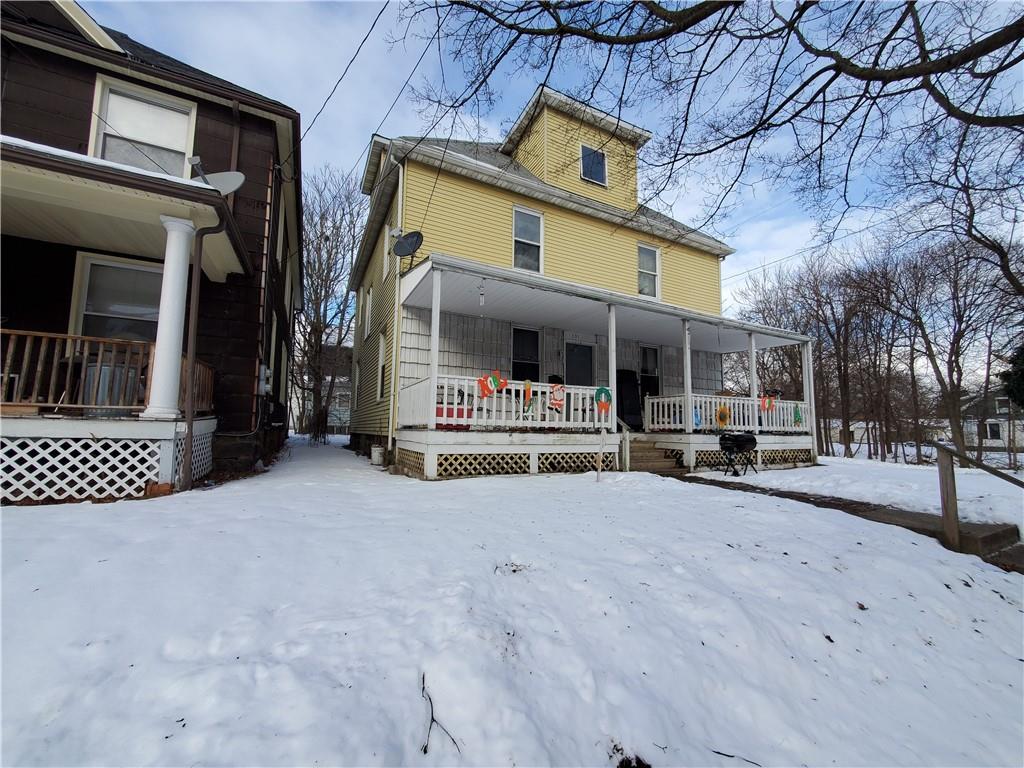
564 135
472 220
370 416
531 150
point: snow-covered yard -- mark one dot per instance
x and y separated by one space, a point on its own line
294 618
981 498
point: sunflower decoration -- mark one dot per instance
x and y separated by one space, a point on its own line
722 416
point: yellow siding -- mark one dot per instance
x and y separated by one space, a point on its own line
564 136
472 220
370 415
531 150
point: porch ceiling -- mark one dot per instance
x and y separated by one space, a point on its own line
536 301
91 213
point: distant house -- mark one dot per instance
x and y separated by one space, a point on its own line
104 210
544 307
994 423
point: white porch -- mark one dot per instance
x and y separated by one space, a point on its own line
659 365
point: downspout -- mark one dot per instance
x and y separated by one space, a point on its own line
190 354
396 335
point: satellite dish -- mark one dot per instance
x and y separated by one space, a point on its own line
408 244
225 182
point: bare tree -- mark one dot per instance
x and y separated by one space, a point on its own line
333 213
835 101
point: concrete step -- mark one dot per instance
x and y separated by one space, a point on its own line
987 538
1009 559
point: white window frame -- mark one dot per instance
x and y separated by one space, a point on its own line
988 433
657 274
540 259
386 265
355 386
604 155
105 83
79 292
512 348
382 359
367 312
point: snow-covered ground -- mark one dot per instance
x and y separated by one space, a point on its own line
294 618
981 497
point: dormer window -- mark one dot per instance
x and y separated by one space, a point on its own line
142 128
592 165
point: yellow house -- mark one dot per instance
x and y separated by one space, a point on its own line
519 311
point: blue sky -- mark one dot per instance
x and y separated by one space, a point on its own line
294 52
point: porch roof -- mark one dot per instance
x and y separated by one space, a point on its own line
533 300
63 197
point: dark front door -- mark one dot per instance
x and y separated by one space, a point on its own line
627 398
579 364
650 374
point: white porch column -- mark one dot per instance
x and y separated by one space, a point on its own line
807 363
753 379
612 367
687 379
435 345
170 327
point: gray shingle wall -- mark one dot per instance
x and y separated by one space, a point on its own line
472 346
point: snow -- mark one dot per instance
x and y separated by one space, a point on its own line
981 497
291 619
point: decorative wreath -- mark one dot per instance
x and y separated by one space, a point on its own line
798 418
603 398
722 416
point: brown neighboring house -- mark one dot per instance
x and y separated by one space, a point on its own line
102 215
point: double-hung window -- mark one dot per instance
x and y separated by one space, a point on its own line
647 270
118 298
992 431
143 128
367 311
525 354
527 235
381 363
592 165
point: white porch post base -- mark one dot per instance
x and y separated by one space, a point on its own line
163 390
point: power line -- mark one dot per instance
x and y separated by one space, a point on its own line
337 83
807 248
401 90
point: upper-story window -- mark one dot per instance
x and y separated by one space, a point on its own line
367 311
647 270
142 128
528 230
592 165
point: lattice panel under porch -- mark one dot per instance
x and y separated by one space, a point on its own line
202 457
573 462
709 458
470 464
776 456
44 468
410 461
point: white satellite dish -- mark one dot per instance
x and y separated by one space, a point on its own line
225 182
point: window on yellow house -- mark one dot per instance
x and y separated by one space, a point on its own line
528 228
381 362
647 270
592 165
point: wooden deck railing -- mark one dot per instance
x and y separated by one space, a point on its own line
65 373
202 390
672 413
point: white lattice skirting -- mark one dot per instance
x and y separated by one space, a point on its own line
62 468
202 457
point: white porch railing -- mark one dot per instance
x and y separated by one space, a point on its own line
458 405
745 414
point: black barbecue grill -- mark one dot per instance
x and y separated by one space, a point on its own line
739 448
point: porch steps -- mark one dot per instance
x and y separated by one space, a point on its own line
644 457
